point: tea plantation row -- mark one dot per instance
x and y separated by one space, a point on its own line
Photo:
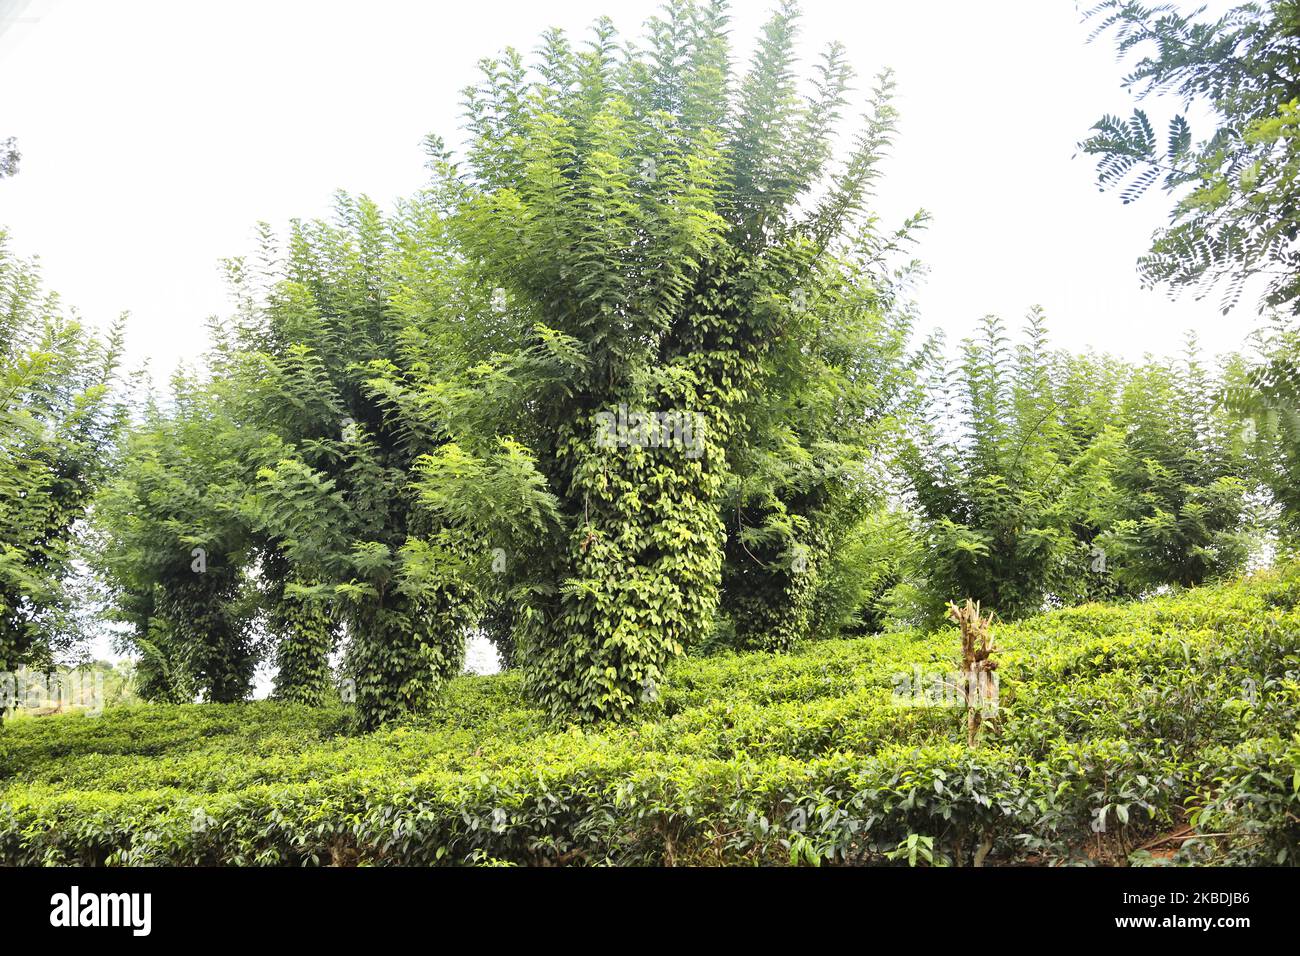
1161 732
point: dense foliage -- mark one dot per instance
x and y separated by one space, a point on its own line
633 377
1120 733
176 551
285 470
1265 393
606 392
1236 215
59 417
666 249
1042 478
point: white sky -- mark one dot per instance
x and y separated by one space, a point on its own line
154 135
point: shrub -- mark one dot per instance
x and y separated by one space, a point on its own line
1116 725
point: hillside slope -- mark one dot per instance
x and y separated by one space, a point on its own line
1121 734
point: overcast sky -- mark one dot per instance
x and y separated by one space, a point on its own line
155 135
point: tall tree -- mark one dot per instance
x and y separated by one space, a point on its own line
60 413
1181 514
812 464
176 551
532 396
666 253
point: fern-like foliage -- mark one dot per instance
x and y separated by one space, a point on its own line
61 410
1043 478
1234 217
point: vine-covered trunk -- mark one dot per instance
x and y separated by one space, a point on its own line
305 637
402 653
214 654
770 603
641 575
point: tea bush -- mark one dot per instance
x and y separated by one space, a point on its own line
1117 728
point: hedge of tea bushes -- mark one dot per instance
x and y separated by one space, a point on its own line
1116 726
